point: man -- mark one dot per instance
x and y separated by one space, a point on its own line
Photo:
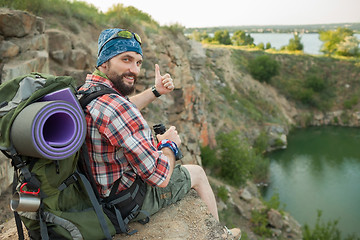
120 142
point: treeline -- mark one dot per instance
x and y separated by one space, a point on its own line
339 42
312 28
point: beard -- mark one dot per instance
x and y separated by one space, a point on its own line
120 85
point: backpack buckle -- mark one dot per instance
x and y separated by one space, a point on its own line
28 192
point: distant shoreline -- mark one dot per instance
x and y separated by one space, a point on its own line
306 28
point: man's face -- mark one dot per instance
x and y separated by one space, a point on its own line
123 70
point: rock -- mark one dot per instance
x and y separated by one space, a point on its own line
275 219
277 137
246 195
40 25
252 188
9 49
197 57
242 212
276 232
39 63
5 169
37 42
78 59
186 219
59 45
16 23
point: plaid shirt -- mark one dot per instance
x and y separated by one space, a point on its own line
120 142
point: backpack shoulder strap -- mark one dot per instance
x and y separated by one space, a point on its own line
94 92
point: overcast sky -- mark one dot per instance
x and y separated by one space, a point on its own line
208 13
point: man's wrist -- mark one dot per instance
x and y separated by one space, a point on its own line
169 144
155 92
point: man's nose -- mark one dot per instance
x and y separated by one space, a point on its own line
134 68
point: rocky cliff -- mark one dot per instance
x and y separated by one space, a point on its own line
206 78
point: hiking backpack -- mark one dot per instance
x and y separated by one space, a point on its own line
42 131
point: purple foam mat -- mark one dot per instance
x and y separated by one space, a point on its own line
50 129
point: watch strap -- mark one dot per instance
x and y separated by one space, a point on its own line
155 92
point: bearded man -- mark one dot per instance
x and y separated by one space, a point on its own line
121 147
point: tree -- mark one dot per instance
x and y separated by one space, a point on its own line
268 45
240 38
199 36
222 37
349 47
332 39
295 43
260 46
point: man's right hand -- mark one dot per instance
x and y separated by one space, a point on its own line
170 134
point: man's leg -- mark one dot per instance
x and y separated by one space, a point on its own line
200 183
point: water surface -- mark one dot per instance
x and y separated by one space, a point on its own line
320 170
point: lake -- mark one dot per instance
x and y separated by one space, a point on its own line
320 170
311 41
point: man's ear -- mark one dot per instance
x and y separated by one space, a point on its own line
105 66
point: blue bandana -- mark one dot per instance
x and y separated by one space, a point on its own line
115 46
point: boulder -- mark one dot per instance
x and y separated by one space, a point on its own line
16 23
275 219
8 49
78 59
38 63
59 45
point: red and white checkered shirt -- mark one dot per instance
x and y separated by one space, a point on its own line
120 142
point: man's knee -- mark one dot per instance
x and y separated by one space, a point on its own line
197 174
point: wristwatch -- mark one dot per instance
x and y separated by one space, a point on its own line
155 92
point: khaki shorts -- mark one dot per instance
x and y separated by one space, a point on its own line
157 198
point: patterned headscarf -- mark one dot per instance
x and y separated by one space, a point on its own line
115 46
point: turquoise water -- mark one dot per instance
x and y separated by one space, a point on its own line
320 170
311 41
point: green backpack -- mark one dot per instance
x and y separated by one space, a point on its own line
42 131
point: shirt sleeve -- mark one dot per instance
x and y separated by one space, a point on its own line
124 126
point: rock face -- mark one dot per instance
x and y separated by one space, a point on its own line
23 44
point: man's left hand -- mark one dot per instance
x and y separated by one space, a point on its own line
163 83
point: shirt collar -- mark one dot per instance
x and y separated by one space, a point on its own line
99 73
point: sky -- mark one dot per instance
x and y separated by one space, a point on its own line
208 13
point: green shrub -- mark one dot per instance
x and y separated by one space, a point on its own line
260 170
263 68
76 9
261 142
315 83
259 217
274 202
324 231
223 194
306 96
259 222
208 157
350 103
175 29
236 158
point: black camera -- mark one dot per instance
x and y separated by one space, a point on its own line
161 129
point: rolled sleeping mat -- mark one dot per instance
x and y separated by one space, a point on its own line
49 129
